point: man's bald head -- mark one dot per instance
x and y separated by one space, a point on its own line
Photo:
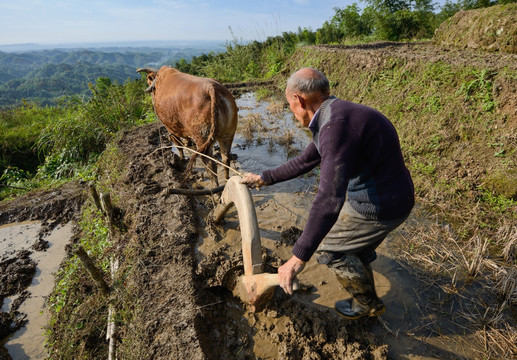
310 82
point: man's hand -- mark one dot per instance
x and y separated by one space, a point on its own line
252 181
288 271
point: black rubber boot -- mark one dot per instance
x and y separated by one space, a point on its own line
351 309
357 279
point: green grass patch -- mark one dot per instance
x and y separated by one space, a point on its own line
42 145
77 309
19 130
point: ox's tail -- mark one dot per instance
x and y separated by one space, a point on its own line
213 127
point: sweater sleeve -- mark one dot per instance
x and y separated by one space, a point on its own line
338 149
295 167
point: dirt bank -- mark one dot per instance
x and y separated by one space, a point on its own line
490 29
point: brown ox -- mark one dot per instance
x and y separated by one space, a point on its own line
194 108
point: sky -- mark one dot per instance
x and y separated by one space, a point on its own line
79 21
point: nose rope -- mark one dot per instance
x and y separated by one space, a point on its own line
201 154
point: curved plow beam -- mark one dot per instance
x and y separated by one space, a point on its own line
254 287
237 194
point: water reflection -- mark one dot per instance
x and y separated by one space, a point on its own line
277 138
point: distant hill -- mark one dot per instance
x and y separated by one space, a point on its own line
46 75
118 46
51 82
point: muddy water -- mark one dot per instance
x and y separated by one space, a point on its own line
28 342
16 237
409 332
268 147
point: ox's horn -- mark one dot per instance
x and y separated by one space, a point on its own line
146 70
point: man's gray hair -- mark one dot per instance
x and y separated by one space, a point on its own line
309 84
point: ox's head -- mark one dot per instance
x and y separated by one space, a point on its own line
151 78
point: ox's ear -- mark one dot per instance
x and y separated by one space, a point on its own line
150 72
151 87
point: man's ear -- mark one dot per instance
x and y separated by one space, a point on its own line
300 100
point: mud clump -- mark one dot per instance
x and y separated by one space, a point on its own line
5 324
16 273
289 236
488 29
284 329
52 207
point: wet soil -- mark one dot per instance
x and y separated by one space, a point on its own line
184 311
28 308
48 209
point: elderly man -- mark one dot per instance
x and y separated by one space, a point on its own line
365 190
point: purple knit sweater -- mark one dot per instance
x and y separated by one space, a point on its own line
360 160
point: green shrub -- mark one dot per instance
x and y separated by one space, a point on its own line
19 129
84 132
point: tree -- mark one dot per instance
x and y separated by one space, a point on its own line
351 23
183 66
475 4
448 10
328 34
388 19
389 6
306 36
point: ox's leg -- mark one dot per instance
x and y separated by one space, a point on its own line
226 146
177 141
210 165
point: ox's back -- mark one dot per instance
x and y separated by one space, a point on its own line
201 109
183 103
